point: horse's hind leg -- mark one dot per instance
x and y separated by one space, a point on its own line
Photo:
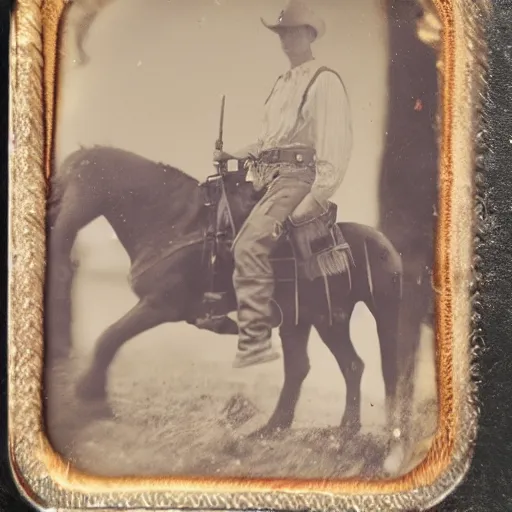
143 316
337 339
294 339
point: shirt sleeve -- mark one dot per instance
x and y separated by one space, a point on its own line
328 107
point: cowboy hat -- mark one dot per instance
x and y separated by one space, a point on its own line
296 14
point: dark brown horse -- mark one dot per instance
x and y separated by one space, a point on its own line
159 215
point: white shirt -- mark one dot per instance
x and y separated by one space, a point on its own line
325 123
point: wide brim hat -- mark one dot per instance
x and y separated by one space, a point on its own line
296 14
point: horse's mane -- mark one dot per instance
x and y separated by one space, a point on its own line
71 164
88 151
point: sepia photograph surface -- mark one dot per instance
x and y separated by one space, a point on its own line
241 227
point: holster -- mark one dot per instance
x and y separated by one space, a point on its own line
318 243
313 233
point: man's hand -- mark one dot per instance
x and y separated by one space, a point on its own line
222 156
309 207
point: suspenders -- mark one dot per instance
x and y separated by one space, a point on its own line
273 89
322 69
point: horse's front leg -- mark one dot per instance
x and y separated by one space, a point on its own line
294 340
143 316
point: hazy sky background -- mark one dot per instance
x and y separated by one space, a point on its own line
158 69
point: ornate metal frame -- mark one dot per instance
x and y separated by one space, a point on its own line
455 28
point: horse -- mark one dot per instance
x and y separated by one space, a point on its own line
160 216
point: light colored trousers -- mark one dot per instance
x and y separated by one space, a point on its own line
253 278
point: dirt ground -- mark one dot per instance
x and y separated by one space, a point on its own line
182 410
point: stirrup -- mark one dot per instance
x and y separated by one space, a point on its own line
210 319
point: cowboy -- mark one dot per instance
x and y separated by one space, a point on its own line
300 159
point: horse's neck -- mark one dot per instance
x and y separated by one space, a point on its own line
159 217
191 215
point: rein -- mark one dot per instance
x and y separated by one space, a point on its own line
227 207
219 201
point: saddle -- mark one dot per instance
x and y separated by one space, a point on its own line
307 250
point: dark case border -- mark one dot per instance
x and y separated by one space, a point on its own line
488 484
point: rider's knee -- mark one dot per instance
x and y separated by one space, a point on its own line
256 240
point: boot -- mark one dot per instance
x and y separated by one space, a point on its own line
257 353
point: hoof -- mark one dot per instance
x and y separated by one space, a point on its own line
383 459
97 411
92 401
89 391
397 458
267 432
394 461
350 429
374 462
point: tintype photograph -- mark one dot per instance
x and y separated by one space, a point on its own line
241 236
